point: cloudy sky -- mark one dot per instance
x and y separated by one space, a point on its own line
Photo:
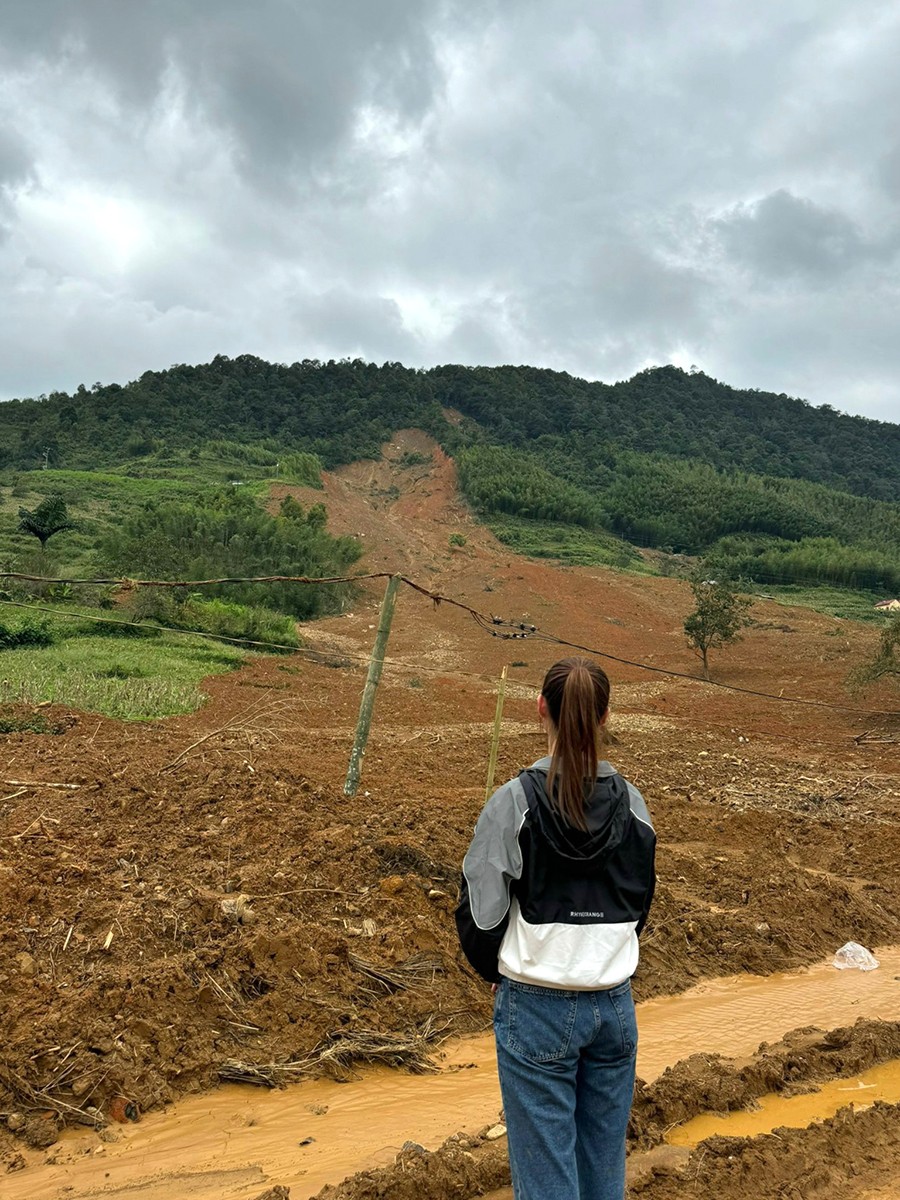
588 186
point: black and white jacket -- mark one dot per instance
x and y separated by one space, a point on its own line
545 903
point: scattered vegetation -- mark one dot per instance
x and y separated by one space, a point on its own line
844 603
11 722
252 624
885 662
26 632
570 544
227 534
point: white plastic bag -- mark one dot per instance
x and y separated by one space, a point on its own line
853 955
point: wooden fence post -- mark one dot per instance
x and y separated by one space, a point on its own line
495 739
376 662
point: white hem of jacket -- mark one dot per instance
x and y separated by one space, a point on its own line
591 957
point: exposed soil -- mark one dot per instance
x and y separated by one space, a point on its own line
198 892
470 1165
851 1155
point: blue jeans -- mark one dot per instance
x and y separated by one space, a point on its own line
566 1062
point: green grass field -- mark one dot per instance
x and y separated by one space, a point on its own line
834 601
132 678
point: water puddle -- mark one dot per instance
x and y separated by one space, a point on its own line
231 1143
878 1083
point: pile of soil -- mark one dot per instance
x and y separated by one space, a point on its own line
843 1156
801 1060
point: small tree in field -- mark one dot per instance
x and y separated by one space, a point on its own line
51 516
884 663
717 619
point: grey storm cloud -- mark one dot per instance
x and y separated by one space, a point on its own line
783 235
589 187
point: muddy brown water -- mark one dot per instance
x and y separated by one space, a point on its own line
232 1143
879 1083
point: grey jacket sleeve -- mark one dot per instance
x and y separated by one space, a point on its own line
493 862
648 841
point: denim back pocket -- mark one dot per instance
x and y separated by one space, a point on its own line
538 1021
622 1002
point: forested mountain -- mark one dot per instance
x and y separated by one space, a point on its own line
762 484
344 410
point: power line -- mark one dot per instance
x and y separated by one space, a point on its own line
496 626
316 656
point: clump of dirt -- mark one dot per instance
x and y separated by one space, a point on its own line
464 1166
177 927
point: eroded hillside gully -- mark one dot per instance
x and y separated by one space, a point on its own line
237 1140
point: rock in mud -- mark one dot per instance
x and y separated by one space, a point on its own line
392 885
237 909
275 1193
411 1150
39 1132
122 1109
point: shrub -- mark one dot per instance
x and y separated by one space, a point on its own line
301 467
221 618
27 632
229 534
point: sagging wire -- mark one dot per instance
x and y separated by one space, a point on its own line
495 626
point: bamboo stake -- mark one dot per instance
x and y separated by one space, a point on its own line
495 738
367 704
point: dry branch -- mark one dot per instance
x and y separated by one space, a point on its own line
336 1055
418 971
249 721
33 783
32 1098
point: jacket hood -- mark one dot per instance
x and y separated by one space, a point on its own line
607 810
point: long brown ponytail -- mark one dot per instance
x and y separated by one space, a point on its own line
577 694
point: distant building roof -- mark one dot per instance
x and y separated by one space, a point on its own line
888 605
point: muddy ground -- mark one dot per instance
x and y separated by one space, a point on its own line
196 899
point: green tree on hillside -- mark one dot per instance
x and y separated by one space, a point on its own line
50 517
718 617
